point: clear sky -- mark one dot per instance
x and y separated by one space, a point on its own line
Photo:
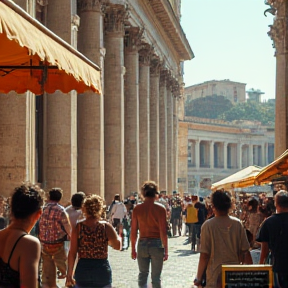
229 39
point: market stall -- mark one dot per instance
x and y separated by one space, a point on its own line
275 170
242 178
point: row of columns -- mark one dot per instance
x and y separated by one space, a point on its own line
112 143
240 155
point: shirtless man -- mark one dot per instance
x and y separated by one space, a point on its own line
150 219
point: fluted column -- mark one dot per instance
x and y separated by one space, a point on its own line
175 142
131 118
154 120
91 129
169 154
279 34
60 147
163 131
114 101
144 113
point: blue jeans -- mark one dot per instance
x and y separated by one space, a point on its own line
150 250
93 273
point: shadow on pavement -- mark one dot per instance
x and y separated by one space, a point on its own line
185 252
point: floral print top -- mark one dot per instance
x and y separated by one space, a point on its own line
92 241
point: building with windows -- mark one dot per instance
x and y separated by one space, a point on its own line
234 91
210 150
109 143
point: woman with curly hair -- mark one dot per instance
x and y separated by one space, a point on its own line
90 239
19 251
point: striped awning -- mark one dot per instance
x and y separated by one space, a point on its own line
35 59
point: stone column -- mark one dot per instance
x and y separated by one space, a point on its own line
197 154
175 142
163 131
263 155
251 154
90 172
279 34
212 155
225 154
17 140
183 158
144 113
131 118
60 147
239 156
170 166
154 120
114 71
266 154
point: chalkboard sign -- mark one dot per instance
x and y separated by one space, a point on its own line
247 276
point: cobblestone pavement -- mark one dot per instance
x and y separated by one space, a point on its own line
178 271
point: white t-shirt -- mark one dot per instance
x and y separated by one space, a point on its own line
118 211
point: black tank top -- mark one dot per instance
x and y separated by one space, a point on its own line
9 278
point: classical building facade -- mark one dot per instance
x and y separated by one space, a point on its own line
234 91
110 143
210 150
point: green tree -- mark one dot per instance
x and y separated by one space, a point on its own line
208 107
263 112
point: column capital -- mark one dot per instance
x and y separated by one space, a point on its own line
155 66
114 20
278 31
132 39
164 76
176 89
90 5
145 54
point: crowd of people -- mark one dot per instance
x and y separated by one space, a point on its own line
73 241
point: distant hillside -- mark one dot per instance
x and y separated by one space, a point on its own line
218 107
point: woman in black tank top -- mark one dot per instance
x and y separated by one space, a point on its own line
20 252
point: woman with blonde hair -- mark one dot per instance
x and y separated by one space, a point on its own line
90 239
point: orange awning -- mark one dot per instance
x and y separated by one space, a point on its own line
33 58
276 169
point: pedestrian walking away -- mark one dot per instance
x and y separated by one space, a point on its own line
54 230
149 218
223 241
273 236
90 239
